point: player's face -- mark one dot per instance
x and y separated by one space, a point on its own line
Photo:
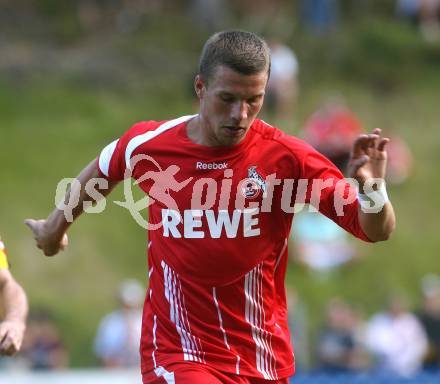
229 103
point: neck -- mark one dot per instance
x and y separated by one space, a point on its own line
197 130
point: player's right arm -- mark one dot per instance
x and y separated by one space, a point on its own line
113 165
50 234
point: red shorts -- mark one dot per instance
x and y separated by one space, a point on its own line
192 373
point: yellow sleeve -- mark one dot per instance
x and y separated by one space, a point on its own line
3 260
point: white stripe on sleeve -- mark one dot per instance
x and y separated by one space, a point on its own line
141 139
106 156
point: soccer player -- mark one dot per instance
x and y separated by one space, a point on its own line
215 309
15 308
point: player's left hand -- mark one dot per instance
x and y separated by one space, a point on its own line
11 337
369 157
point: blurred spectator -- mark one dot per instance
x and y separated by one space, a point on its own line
282 87
339 348
429 19
332 129
408 9
425 13
13 313
13 309
210 14
117 341
397 339
320 16
43 348
429 316
319 243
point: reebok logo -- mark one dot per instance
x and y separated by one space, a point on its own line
200 165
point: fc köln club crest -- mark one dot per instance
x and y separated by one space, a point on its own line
254 184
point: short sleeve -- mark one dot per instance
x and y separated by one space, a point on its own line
112 161
116 157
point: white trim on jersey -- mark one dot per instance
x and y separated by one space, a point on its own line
147 136
225 338
154 341
237 366
191 346
150 272
281 254
256 317
167 376
220 320
197 340
106 156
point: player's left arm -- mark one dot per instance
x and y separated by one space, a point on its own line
368 160
15 304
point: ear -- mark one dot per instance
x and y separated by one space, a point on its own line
199 86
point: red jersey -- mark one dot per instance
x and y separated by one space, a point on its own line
216 294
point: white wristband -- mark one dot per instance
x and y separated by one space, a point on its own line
373 202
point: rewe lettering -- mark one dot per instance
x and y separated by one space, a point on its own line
198 224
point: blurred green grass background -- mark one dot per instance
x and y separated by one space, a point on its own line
53 124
